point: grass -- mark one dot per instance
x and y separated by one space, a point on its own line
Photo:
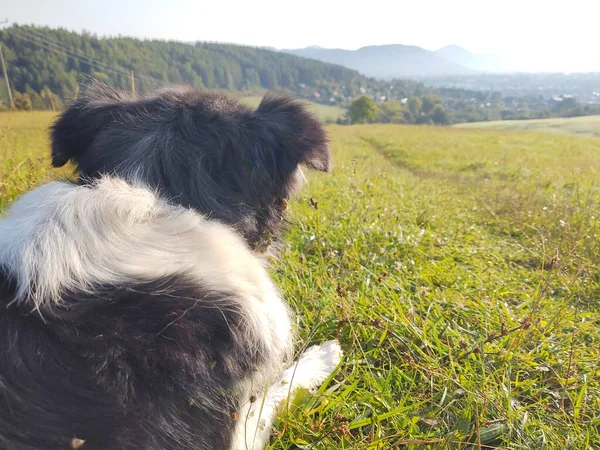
326 113
589 125
24 153
460 271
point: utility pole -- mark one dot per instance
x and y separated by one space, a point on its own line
51 95
10 97
132 82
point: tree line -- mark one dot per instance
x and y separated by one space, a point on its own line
440 109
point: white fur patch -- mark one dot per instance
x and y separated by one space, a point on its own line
313 367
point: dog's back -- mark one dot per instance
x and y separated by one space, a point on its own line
128 323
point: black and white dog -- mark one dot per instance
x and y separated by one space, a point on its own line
136 311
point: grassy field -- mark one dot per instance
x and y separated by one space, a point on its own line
460 271
323 112
587 126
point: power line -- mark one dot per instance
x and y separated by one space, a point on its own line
42 37
51 48
77 53
93 62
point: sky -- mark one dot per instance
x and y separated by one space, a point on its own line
545 35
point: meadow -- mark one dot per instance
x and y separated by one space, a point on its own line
586 125
326 113
459 269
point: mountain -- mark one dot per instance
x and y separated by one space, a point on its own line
477 62
386 61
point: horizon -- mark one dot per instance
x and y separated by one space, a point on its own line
465 24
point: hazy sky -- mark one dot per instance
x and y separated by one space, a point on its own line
521 27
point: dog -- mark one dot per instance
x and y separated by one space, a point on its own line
136 310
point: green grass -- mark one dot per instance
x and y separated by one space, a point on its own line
24 153
325 113
460 271
589 125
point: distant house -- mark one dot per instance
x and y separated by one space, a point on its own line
561 98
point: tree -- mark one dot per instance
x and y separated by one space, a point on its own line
439 115
429 103
362 110
390 112
414 106
22 101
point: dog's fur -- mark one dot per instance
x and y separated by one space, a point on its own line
135 309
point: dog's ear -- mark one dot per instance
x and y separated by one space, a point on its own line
75 129
299 135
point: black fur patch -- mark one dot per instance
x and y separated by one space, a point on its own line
152 366
201 150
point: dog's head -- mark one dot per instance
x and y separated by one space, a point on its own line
204 151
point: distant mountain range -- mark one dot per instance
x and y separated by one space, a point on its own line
405 61
386 61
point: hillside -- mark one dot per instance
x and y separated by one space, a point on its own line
459 270
386 61
587 126
42 61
